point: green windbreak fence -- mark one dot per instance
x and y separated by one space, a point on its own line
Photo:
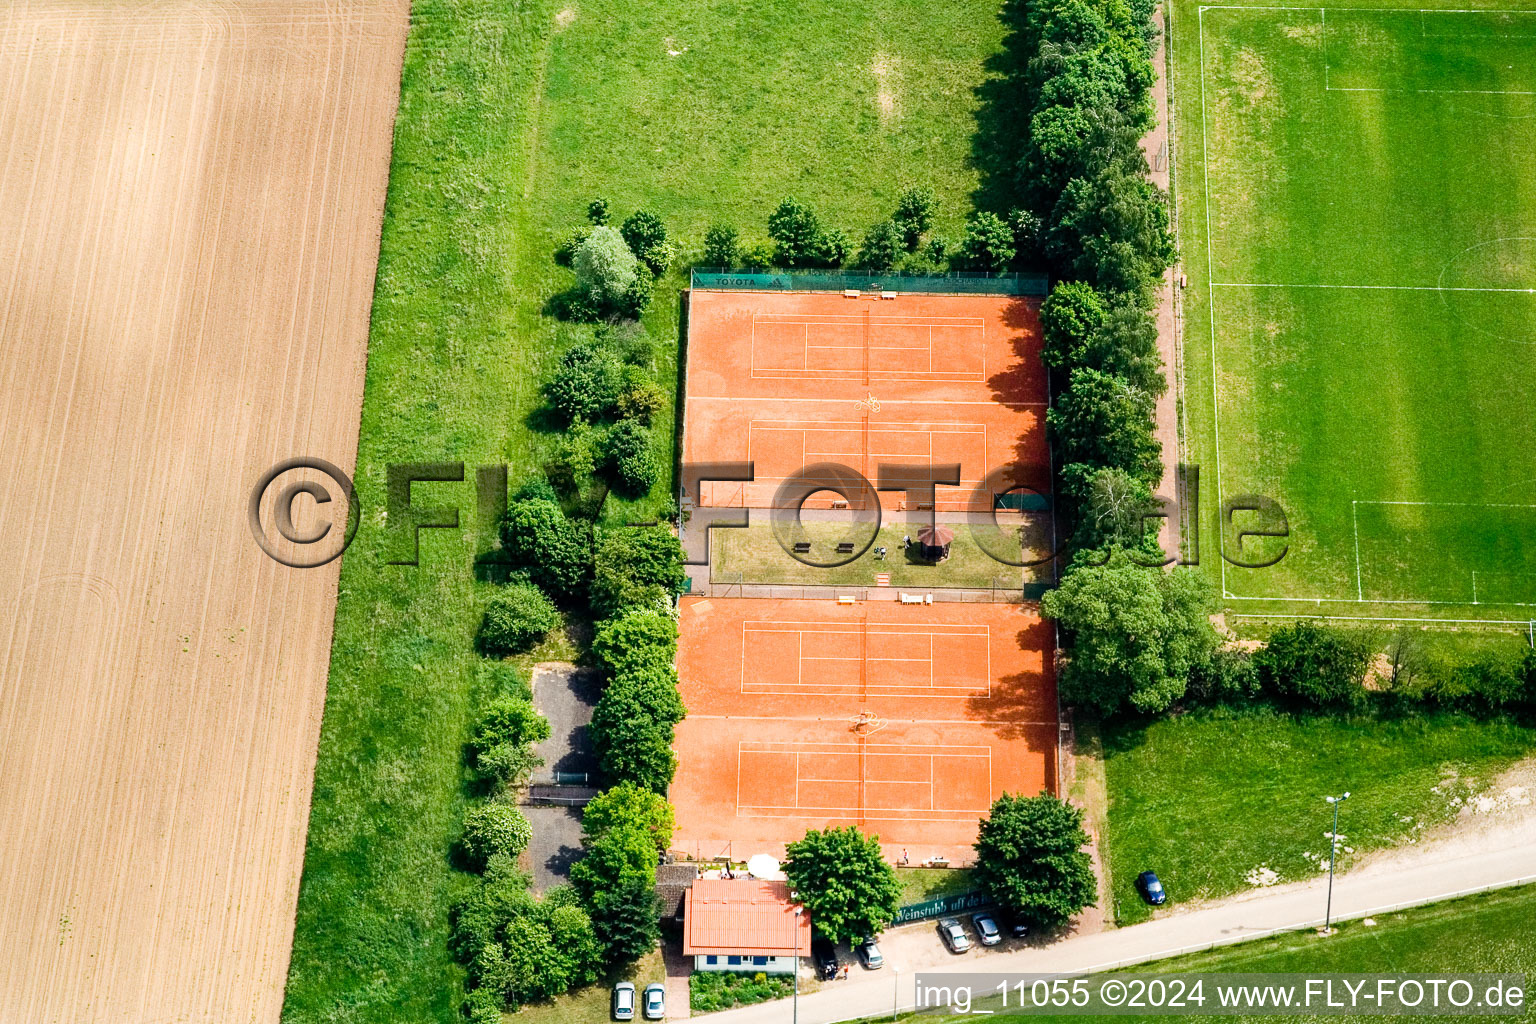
959 283
941 907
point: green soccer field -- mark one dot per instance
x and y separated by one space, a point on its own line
1356 193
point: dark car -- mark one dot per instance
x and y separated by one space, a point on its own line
986 928
825 958
1151 888
953 935
1016 928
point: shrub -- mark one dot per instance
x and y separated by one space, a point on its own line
631 728
597 211
882 244
646 237
585 384
565 252
627 458
832 249
1071 315
637 296
760 256
722 246
1316 665
1103 421
1030 859
914 215
606 268
938 251
640 397
500 746
988 243
517 617
634 568
553 549
637 639
494 828
629 340
571 458
1228 675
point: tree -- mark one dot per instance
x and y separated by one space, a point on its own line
494 828
627 458
606 268
1315 664
628 806
632 726
646 237
616 882
500 747
722 247
882 244
1113 512
844 881
585 384
627 918
914 215
1135 631
1102 421
988 243
1030 859
553 549
637 567
796 233
597 211
1072 314
517 617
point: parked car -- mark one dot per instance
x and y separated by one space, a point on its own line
953 935
870 955
825 957
1015 927
655 1001
986 928
1151 888
624 1001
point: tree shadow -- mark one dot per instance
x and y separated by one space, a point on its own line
1002 110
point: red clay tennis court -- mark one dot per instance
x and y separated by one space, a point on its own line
786 380
907 720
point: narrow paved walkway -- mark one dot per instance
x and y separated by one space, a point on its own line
1158 147
1414 875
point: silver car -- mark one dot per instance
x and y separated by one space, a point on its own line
624 1001
655 1001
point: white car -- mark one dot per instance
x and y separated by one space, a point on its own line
655 1001
624 1001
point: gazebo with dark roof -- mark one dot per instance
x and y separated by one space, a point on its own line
933 542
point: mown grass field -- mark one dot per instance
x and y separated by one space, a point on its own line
1206 798
1486 933
512 116
1356 198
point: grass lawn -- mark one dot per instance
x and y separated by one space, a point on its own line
1486 933
1208 797
754 555
591 1005
919 885
512 117
1357 214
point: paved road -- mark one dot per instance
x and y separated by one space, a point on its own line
1412 875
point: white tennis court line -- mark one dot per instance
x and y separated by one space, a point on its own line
980 631
861 320
915 752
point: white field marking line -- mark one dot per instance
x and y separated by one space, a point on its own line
1433 92
1453 504
1375 287
1387 618
1372 600
1323 13
1210 272
1377 10
1354 515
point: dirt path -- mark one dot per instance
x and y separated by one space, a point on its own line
1158 147
191 196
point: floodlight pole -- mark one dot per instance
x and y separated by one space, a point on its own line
895 993
1333 855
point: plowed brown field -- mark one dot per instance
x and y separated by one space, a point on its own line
191 196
